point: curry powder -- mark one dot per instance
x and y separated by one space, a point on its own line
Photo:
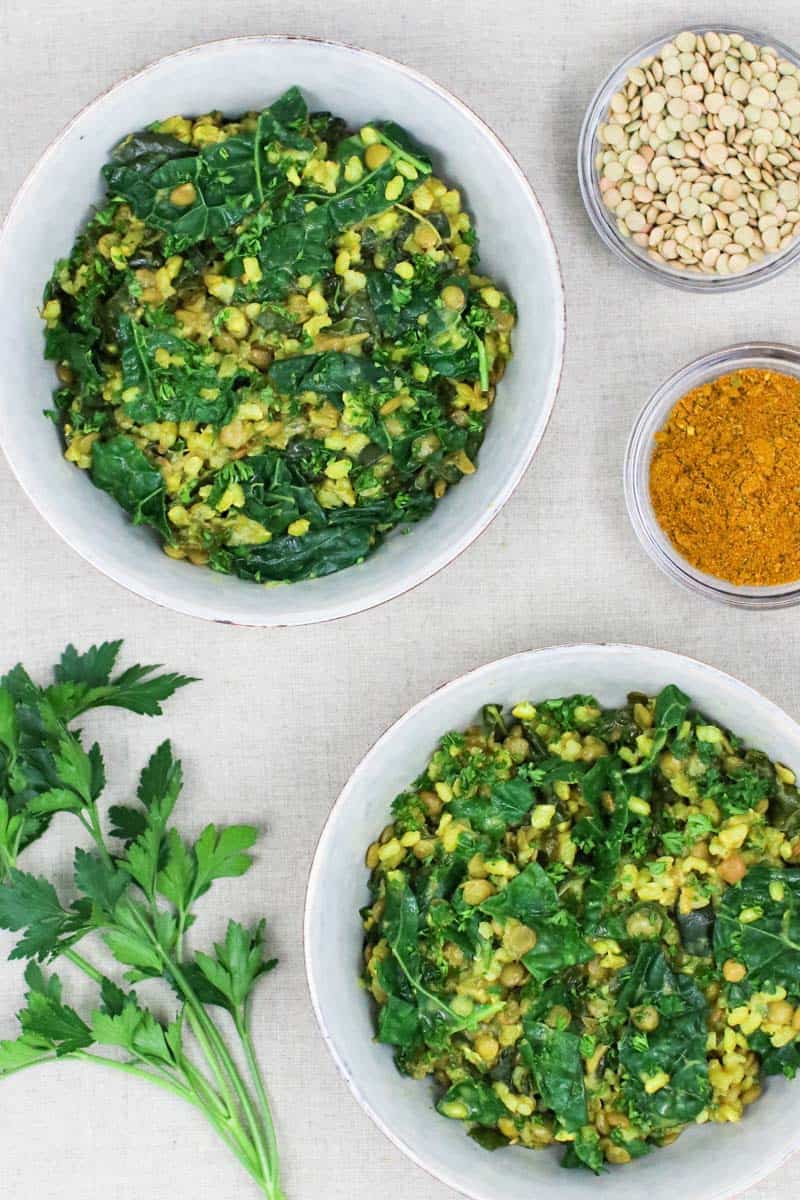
725 477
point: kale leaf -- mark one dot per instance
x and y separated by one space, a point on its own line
188 388
329 373
120 468
767 940
531 898
554 1059
676 1048
473 1101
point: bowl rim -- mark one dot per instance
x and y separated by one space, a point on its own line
314 872
338 609
639 446
691 281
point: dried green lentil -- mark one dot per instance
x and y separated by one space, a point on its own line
699 158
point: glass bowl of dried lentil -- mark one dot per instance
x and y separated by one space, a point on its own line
770 357
722 130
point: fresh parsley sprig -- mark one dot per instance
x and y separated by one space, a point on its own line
136 890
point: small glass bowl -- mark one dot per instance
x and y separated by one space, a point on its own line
653 417
603 220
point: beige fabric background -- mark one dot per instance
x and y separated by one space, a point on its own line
282 717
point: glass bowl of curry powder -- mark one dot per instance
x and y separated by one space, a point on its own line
712 476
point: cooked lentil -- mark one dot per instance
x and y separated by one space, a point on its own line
558 944
272 340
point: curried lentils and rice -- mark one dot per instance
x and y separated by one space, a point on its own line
585 926
699 158
273 341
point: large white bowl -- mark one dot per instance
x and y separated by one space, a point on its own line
235 75
708 1162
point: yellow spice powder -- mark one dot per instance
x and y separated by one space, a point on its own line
725 477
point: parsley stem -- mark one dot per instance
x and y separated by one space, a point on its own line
205 1025
216 1067
235 1143
85 966
243 1030
96 830
206 1033
162 1081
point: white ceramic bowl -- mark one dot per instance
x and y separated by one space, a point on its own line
235 75
708 1162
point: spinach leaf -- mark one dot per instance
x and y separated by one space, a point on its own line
769 945
473 1100
554 1059
676 1048
120 468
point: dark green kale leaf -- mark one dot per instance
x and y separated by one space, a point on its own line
488 1139
767 941
75 348
554 1059
174 392
494 722
531 898
676 1047
289 559
276 494
775 1060
507 804
784 805
437 1021
287 250
120 468
585 1151
147 150
602 833
473 1100
230 178
671 708
328 374
398 1022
